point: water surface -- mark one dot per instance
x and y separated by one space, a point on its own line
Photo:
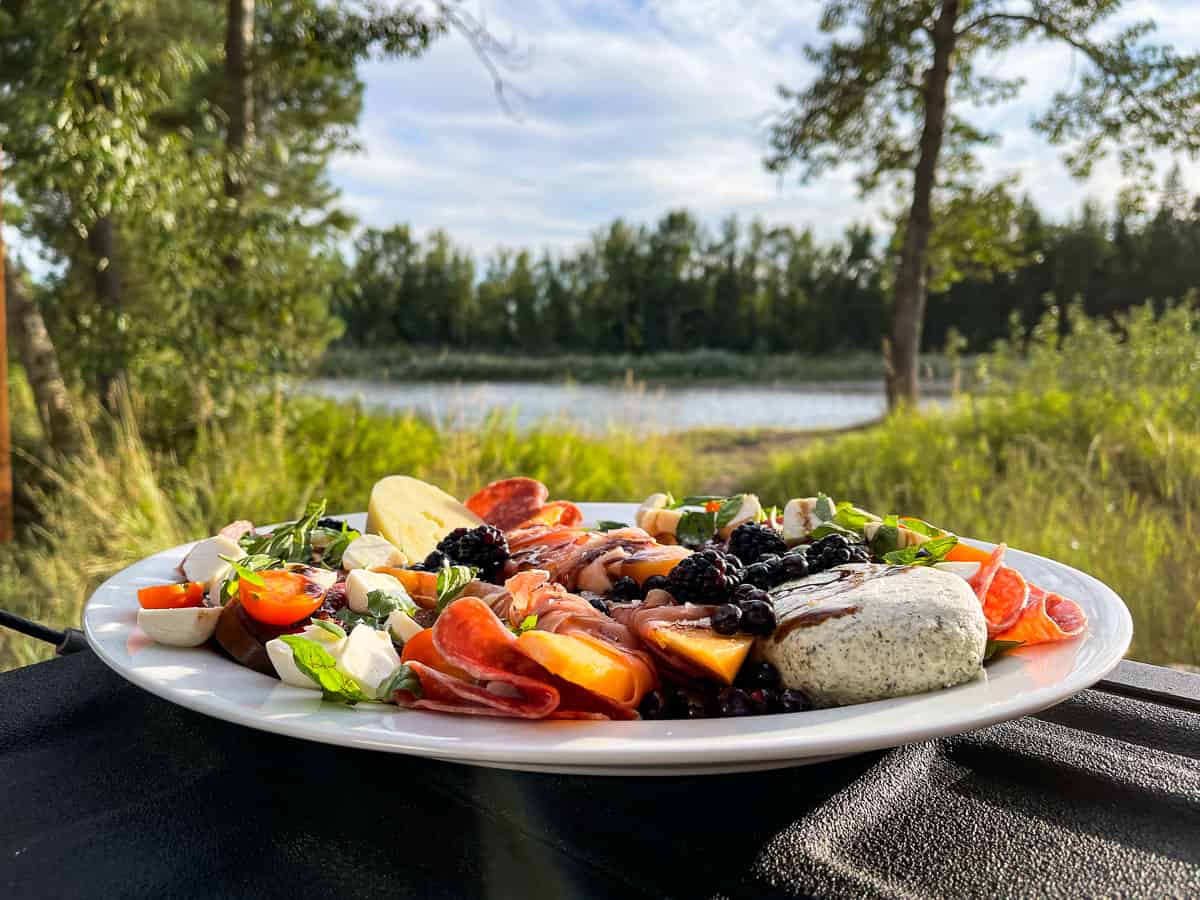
595 407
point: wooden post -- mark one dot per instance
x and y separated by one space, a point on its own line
6 486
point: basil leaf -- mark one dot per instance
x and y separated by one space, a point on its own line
609 525
886 538
851 517
527 624
824 510
331 556
243 571
994 649
332 627
695 528
291 542
349 619
450 583
926 554
729 509
827 528
695 500
920 526
403 679
314 661
381 604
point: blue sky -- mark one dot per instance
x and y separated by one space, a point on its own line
639 107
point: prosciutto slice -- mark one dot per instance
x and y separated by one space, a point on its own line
568 554
659 611
504 681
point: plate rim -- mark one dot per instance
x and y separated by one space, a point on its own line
687 743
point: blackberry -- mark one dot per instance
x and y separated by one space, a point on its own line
434 562
757 575
835 550
654 705
331 524
625 590
757 676
751 540
600 604
743 591
794 701
726 619
733 701
654 583
752 595
795 564
758 618
704 577
485 548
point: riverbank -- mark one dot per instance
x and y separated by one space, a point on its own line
693 367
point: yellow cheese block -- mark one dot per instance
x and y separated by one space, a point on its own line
721 656
414 515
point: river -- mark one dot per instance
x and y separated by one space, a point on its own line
595 407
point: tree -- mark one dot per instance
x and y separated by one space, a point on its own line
883 99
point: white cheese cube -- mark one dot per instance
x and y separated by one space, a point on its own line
800 519
187 627
402 626
284 660
361 582
368 658
749 511
372 550
204 564
324 579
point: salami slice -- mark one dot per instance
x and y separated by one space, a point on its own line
445 693
1048 617
508 503
981 581
1007 596
555 513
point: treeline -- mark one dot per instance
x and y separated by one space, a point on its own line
675 286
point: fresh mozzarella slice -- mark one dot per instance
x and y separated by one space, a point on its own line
203 562
402 626
187 627
800 519
749 511
284 660
368 658
962 569
649 506
361 582
372 550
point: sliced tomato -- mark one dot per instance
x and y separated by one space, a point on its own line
172 596
281 599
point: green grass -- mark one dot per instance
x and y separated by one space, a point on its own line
423 364
121 500
1088 452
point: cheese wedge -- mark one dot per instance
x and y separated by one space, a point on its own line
414 515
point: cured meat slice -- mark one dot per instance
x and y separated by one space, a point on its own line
1007 595
236 530
658 610
508 503
566 553
982 579
1046 618
445 693
556 512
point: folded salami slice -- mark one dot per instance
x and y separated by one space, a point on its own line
445 693
1007 596
1046 618
508 503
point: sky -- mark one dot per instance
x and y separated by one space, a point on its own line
634 108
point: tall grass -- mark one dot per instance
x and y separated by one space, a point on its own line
120 500
1085 449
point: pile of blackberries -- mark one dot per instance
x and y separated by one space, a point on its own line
707 576
484 547
756 691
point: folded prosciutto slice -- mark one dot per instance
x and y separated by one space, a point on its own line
503 680
586 560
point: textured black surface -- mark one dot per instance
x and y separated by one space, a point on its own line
107 791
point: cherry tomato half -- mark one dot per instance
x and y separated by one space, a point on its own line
282 598
171 596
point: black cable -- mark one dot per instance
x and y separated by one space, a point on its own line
71 640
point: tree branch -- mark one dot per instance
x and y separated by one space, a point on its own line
492 53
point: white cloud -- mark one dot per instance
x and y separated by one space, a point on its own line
639 108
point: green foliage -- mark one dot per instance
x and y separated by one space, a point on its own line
1085 449
122 500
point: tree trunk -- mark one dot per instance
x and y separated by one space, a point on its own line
59 421
102 242
908 309
239 87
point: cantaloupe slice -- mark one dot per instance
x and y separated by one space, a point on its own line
581 663
421 586
414 515
657 561
721 656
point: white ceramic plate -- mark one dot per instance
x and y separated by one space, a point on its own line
1023 682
